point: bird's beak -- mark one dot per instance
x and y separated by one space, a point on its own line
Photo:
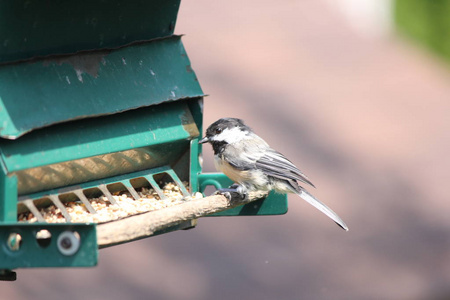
204 140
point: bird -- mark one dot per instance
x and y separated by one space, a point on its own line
253 165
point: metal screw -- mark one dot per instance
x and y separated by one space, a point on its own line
68 242
14 241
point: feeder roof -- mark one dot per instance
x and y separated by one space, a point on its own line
47 91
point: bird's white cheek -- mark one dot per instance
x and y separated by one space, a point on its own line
230 136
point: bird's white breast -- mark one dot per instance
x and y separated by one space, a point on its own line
232 173
254 179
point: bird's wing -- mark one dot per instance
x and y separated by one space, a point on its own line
274 164
243 155
238 159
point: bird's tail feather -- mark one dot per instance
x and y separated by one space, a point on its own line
322 207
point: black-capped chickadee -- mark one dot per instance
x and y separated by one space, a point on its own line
251 163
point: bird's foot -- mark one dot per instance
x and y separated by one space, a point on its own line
233 192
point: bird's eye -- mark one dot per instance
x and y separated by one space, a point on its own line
218 130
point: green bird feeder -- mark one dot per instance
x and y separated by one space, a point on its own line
96 98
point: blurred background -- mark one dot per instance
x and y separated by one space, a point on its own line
356 93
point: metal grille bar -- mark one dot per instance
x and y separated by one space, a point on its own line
102 186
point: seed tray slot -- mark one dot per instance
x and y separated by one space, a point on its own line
107 200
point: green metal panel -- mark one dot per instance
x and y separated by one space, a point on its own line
8 190
195 168
152 125
274 204
54 90
30 28
30 253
